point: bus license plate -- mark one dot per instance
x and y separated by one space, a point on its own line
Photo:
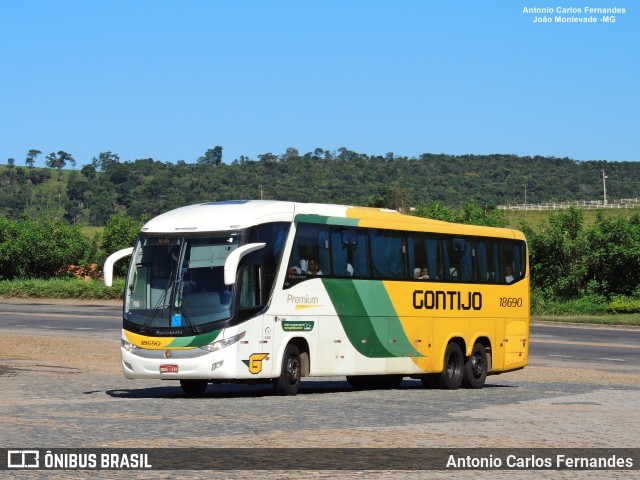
169 368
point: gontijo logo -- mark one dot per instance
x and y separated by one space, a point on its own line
446 300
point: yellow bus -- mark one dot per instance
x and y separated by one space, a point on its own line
269 291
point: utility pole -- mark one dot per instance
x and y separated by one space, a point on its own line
604 186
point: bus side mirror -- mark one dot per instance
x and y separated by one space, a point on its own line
231 264
108 264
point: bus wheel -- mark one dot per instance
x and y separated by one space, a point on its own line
475 368
288 382
193 388
451 376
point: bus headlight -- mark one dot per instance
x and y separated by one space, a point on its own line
130 347
220 344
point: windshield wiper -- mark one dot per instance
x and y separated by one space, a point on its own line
180 307
156 307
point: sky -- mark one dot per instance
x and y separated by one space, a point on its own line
169 80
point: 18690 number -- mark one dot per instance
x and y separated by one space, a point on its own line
510 302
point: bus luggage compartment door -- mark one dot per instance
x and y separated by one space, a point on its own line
515 342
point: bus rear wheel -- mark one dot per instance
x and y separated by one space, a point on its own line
194 388
288 382
453 371
475 368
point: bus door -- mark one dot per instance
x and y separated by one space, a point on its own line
513 336
256 349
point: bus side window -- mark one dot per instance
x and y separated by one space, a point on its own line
423 251
274 235
513 260
311 243
387 254
349 253
451 260
488 261
250 288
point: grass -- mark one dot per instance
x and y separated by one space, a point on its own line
624 319
533 219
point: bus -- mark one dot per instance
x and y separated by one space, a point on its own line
274 291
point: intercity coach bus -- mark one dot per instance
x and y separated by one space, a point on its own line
271 291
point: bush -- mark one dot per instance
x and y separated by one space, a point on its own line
591 304
41 248
121 232
62 288
624 305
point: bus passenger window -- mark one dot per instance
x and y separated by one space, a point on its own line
513 260
387 256
349 253
310 246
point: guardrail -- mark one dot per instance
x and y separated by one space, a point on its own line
623 203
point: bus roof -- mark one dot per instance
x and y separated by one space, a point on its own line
240 214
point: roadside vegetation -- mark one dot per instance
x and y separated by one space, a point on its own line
57 225
579 273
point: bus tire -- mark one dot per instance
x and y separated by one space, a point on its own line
475 368
453 369
194 388
288 382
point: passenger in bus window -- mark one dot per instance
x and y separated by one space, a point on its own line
312 268
508 274
422 273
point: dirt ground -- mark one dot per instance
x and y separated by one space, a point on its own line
606 414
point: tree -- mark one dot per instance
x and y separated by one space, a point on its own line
557 255
291 153
11 162
212 156
613 255
59 160
31 157
393 196
121 232
105 161
268 158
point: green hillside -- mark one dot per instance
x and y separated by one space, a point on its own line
146 187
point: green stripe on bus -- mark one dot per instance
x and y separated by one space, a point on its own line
384 317
346 222
354 318
195 341
369 318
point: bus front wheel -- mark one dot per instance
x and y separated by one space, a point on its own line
288 382
475 368
453 371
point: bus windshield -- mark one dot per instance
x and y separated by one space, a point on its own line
178 282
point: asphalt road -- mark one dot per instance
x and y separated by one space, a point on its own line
580 390
604 346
